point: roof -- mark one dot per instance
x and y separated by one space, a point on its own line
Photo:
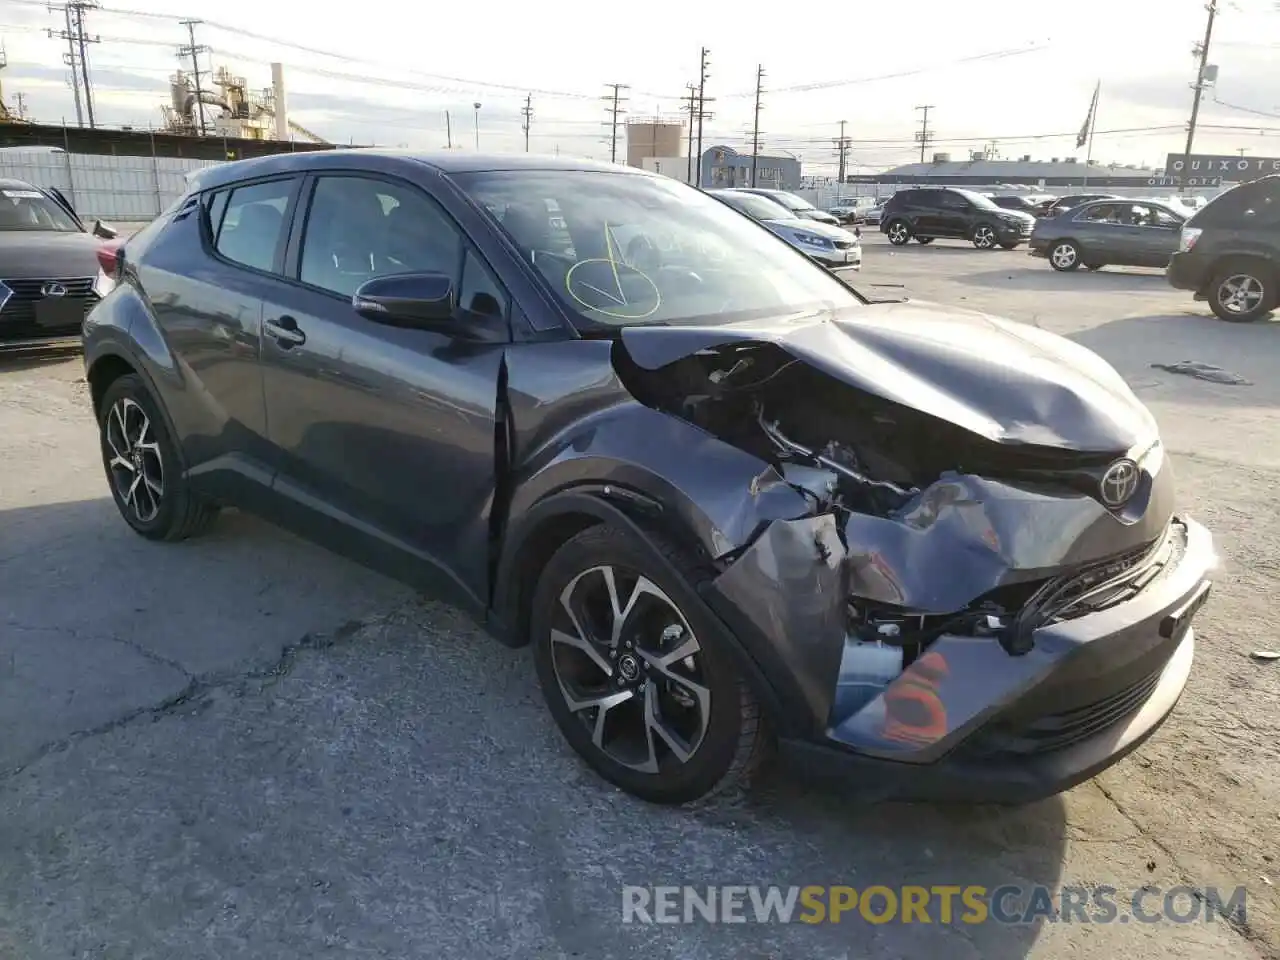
998 170
445 161
729 152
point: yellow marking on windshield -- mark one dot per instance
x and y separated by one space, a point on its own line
609 241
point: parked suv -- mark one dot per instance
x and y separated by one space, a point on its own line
950 213
1229 252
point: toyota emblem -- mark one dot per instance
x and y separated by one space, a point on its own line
1119 483
53 288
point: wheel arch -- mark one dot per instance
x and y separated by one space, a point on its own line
555 520
104 371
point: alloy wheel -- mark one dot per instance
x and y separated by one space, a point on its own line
984 238
137 469
1240 294
898 233
1064 256
628 666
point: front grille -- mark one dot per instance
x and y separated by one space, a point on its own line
1057 731
1106 584
18 315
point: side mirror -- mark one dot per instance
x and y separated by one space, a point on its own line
104 231
407 300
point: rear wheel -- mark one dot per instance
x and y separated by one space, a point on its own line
642 689
144 468
899 233
984 236
1065 256
1243 291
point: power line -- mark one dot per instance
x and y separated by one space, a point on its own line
526 112
615 100
1201 51
193 50
923 136
755 124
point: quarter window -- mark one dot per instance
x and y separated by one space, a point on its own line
359 228
253 224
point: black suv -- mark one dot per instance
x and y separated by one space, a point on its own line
1229 252
930 213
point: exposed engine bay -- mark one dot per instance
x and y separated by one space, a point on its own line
900 476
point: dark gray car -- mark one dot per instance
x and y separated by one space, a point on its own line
1121 232
49 268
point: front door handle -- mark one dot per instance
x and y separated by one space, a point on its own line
285 332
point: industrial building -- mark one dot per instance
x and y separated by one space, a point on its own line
980 170
657 144
725 167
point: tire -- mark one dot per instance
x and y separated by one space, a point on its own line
1011 246
1255 291
708 710
984 236
143 466
899 232
925 241
1064 256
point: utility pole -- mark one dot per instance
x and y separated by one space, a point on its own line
755 125
22 106
691 107
842 154
702 108
193 50
448 130
614 101
76 56
923 136
527 113
1202 52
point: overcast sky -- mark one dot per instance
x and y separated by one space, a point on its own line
1019 72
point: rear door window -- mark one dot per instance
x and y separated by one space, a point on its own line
252 227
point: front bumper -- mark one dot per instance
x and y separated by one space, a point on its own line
969 721
841 259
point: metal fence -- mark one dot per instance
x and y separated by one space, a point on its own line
826 196
117 189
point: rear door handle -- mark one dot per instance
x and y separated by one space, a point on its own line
285 332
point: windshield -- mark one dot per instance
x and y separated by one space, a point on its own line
26 209
754 205
986 203
791 201
637 249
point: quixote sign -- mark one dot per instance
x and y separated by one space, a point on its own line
1219 165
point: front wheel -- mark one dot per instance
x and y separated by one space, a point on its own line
984 237
899 233
1243 292
144 467
1065 256
642 689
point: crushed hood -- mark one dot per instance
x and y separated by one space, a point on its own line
1004 381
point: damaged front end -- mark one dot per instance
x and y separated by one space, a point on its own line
951 590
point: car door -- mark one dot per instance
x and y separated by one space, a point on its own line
385 434
204 273
954 214
1099 228
1161 230
928 215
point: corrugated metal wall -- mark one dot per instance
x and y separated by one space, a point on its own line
123 189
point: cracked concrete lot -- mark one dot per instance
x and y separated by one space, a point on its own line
241 746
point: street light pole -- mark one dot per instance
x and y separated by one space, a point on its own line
477 106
